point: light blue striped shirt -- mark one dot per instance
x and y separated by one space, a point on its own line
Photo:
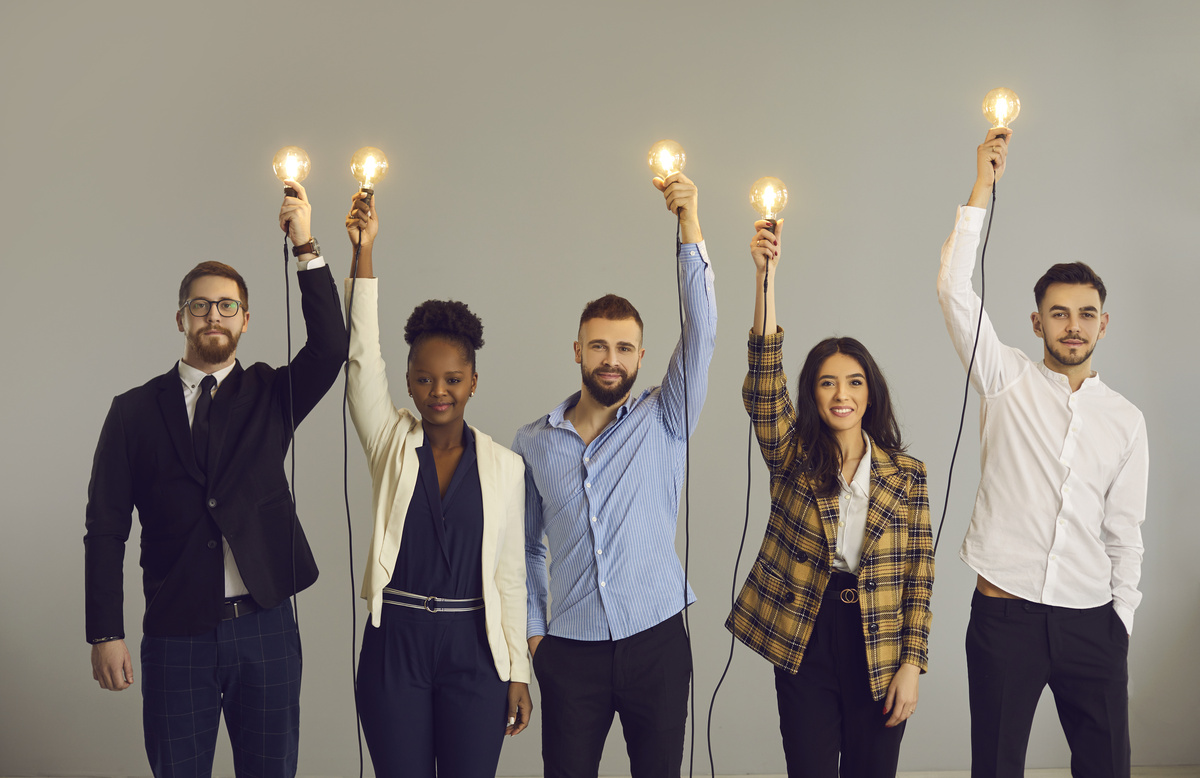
608 510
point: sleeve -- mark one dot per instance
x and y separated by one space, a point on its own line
537 577
765 396
1121 529
995 364
918 581
316 365
367 391
689 362
109 517
510 579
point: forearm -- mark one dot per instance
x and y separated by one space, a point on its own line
764 301
363 267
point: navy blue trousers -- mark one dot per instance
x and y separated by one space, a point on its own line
247 668
831 724
1016 648
429 696
643 678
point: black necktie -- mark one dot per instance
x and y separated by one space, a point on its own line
200 421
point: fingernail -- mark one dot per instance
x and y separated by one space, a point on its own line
511 721
776 242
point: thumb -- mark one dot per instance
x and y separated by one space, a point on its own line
659 183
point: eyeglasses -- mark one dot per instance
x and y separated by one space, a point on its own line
199 306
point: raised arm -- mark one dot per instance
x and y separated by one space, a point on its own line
689 363
994 363
764 250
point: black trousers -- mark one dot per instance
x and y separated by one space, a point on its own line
643 677
247 668
429 696
1014 649
826 709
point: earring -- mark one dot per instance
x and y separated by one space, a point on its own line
472 394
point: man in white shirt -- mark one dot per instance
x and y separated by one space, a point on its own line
1055 535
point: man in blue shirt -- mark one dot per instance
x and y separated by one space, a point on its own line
604 472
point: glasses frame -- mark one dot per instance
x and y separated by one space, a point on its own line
208 304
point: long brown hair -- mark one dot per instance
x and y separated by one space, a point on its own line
822 453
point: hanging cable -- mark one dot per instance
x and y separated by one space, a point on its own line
287 305
687 488
967 387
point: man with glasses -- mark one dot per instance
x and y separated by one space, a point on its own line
199 452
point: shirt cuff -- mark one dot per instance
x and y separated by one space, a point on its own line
970 219
310 264
693 251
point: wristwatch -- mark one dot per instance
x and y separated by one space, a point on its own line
312 247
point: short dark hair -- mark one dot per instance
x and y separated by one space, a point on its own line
821 447
447 319
1068 273
220 270
612 307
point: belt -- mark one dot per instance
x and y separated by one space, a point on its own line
431 604
238 606
842 586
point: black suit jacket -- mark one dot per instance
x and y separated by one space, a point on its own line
145 460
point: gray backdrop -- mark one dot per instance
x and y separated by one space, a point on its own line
137 140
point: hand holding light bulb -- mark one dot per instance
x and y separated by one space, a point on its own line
1000 107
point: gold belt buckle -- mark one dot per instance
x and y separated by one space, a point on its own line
849 596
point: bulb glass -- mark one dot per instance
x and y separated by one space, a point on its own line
768 196
291 162
666 157
1001 106
369 166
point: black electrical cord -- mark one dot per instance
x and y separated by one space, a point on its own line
967 387
346 497
741 547
287 296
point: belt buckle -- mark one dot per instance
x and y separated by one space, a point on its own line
849 596
431 604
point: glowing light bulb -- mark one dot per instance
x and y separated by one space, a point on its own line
369 166
1001 106
768 196
291 162
666 157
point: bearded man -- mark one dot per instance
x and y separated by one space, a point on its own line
199 452
604 472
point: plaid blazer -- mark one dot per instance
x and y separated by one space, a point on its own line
778 604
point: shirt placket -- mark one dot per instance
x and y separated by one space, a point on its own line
1068 499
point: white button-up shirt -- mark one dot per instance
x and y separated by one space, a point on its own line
853 500
1062 495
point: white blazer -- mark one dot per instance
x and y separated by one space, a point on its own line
390 438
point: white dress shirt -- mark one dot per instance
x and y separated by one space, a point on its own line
853 499
1062 496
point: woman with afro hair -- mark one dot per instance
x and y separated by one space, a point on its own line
443 673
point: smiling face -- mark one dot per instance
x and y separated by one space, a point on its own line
440 380
609 353
842 395
1070 322
212 339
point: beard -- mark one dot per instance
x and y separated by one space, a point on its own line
604 395
212 349
1064 356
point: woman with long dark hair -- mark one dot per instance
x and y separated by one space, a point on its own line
838 598
443 674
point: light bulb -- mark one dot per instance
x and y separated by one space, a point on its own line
1001 106
666 157
369 166
768 196
291 162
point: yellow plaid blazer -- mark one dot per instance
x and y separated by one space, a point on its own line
778 604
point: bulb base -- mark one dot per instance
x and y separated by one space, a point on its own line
289 192
368 190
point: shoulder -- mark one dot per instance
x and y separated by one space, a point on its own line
907 464
140 394
527 435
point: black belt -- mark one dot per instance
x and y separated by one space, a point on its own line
238 606
431 604
843 587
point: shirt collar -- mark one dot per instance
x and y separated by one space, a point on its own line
861 482
557 416
1061 380
192 376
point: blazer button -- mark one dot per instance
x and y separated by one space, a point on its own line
212 502
872 628
870 586
790 597
212 544
801 557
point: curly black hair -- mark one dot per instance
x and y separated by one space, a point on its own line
447 319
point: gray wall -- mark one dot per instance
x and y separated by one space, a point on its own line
137 139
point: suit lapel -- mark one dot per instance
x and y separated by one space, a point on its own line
174 413
888 487
486 460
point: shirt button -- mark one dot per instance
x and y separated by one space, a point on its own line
587 459
602 583
599 551
587 484
593 518
841 523
1053 557
212 502
212 544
